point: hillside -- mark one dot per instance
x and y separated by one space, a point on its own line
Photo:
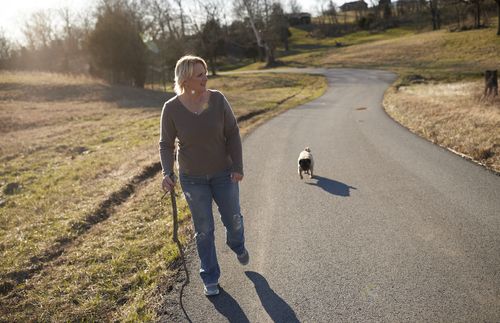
440 55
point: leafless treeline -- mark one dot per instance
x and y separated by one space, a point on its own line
135 41
382 14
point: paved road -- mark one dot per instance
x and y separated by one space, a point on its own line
392 228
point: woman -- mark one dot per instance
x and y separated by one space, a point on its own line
210 162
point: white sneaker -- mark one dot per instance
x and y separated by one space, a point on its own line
211 290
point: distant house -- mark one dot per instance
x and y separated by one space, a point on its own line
354 6
301 18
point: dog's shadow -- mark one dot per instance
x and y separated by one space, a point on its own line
332 186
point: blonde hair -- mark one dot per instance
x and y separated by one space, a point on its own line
184 69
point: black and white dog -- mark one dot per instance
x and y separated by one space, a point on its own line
306 163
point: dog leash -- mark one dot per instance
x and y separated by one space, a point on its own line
175 238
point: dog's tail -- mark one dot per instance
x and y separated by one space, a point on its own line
305 164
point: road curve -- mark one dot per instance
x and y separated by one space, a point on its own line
393 228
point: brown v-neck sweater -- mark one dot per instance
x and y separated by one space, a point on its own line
209 142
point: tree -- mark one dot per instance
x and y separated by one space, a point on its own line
43 51
116 46
331 13
39 29
435 14
212 42
457 10
181 17
162 27
5 50
159 20
266 20
277 31
71 37
240 40
477 6
385 8
294 6
251 6
211 35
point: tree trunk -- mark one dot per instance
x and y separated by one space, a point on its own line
260 43
270 60
434 14
458 16
212 66
182 18
478 14
434 22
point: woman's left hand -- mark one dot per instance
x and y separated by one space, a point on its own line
236 177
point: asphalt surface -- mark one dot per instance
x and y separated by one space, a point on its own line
391 229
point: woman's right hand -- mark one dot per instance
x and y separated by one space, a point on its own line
167 183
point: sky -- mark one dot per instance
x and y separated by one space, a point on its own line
14 13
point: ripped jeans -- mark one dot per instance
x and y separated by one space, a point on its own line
199 192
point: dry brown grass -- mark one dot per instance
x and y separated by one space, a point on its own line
439 49
453 115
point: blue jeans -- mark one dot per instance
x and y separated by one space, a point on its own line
199 192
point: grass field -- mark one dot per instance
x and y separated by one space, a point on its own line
84 232
440 55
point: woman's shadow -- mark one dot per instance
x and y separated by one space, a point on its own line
275 306
229 307
332 186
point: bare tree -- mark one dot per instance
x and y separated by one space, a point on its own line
70 35
5 50
67 17
159 22
211 33
39 29
331 13
163 29
458 8
294 6
259 10
477 5
181 17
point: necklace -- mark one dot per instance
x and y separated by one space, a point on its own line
195 105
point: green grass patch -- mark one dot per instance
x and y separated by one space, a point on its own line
301 38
